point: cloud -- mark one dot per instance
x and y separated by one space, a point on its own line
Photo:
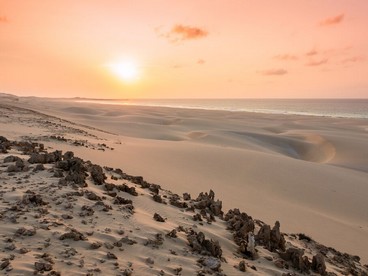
183 32
201 61
286 57
354 59
3 19
311 53
317 63
273 72
332 20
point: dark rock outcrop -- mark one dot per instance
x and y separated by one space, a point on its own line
203 246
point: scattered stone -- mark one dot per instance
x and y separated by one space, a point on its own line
172 234
42 266
211 263
199 243
92 196
242 266
158 218
318 264
150 261
4 264
186 196
122 201
111 256
97 175
95 245
73 235
25 231
298 261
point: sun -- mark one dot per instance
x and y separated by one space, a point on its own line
127 70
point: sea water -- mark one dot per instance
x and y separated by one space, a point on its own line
343 108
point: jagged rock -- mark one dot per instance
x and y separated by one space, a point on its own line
158 218
39 167
154 188
172 234
58 173
157 198
92 196
124 240
86 211
200 244
44 158
175 201
318 264
98 175
73 235
42 266
277 239
242 266
4 264
298 261
111 256
150 261
207 200
31 198
68 155
122 201
186 196
125 188
25 231
197 217
95 245
109 186
211 263
12 158
76 170
156 243
264 236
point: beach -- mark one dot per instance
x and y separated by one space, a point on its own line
307 172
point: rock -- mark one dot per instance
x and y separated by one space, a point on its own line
277 239
157 242
207 200
150 261
109 186
318 264
4 264
25 231
31 198
42 266
68 155
124 240
211 263
154 188
264 236
242 266
158 218
172 234
73 235
122 201
12 168
111 256
186 196
39 167
175 201
95 245
98 175
12 158
197 217
125 188
92 196
251 246
298 261
157 198
127 272
44 158
200 244
86 211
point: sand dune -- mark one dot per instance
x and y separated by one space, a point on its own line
308 172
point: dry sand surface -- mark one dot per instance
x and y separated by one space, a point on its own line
309 173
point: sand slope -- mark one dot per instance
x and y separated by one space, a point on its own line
309 173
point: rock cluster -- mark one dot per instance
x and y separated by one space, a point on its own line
206 201
203 246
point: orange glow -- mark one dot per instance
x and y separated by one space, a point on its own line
246 49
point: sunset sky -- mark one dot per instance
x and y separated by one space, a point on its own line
184 49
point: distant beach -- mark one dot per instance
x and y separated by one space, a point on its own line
336 108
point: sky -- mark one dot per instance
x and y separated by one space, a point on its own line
184 49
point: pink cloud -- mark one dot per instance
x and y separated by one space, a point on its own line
354 59
286 57
3 19
273 72
332 20
317 63
183 32
201 61
311 53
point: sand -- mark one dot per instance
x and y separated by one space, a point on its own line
309 173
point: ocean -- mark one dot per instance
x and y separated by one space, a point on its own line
338 108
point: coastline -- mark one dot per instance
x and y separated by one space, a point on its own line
307 172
